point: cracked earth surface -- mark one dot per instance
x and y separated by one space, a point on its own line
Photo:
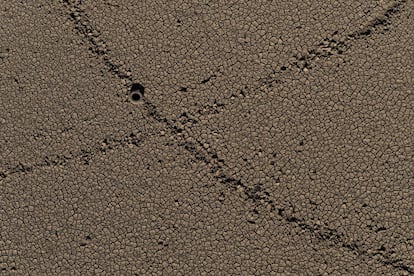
272 138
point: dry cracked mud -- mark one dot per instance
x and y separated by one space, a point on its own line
207 137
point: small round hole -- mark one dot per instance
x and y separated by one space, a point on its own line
136 96
136 92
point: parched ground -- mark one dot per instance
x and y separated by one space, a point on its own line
207 137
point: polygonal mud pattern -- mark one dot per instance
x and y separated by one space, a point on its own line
207 137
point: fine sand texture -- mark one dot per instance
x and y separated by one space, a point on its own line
207 137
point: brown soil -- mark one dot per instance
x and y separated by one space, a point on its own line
207 137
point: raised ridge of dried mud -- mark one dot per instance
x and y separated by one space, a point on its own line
272 138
